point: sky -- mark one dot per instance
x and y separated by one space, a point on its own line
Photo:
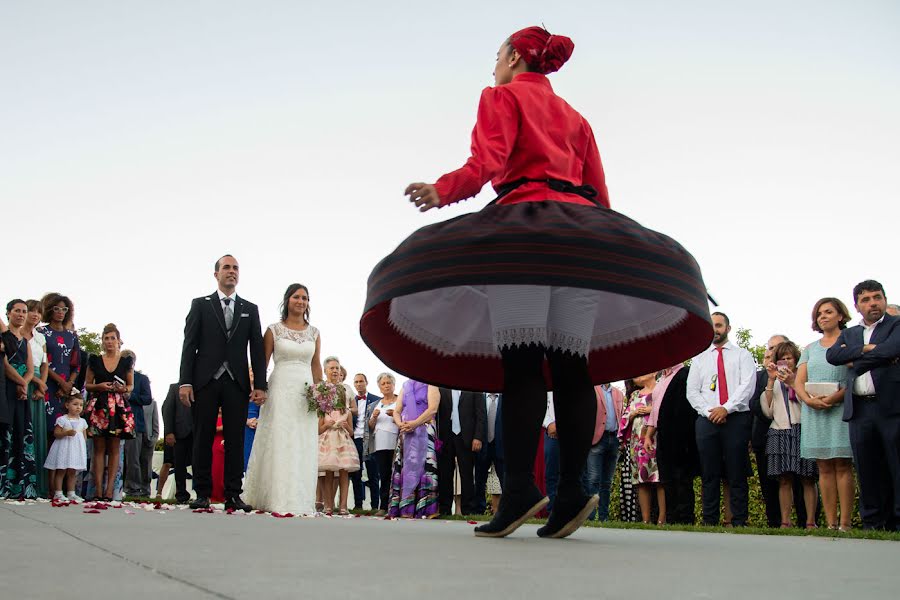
141 141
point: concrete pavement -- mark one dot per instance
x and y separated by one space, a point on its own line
133 553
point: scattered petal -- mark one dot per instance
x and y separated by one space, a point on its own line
91 511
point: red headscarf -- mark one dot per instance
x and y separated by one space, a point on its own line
544 52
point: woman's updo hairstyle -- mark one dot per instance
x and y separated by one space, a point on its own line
542 51
111 328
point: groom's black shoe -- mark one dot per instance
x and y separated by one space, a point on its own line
514 510
199 502
235 503
569 513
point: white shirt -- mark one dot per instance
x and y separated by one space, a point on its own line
864 385
386 429
38 345
222 297
550 415
740 375
359 431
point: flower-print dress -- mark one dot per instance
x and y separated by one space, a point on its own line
64 358
108 414
644 468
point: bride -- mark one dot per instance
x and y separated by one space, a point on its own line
282 472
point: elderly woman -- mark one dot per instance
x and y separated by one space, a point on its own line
825 436
383 440
414 480
335 374
779 402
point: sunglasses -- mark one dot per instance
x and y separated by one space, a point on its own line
61 309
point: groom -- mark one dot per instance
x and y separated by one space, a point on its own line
214 374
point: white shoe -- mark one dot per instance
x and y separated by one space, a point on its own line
74 498
58 497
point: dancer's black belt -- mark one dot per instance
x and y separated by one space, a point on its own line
588 192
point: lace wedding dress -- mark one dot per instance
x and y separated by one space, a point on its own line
281 474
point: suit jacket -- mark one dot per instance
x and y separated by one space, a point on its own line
151 417
141 396
881 362
498 427
207 344
618 404
368 438
176 416
676 445
761 422
472 416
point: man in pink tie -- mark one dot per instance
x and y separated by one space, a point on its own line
601 461
719 386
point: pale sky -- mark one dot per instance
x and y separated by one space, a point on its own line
140 141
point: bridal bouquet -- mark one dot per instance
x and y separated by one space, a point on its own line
325 397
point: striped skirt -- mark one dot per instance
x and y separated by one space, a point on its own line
578 278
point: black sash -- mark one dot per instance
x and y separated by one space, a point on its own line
557 185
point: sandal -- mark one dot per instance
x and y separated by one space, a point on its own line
343 512
785 525
812 526
320 506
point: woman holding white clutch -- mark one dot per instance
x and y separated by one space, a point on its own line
825 436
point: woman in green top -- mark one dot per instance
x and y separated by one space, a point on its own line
825 436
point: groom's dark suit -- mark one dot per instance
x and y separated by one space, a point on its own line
208 346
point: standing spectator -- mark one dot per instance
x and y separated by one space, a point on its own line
893 310
872 402
68 454
37 393
490 458
769 486
151 418
601 461
140 398
383 439
780 403
551 453
825 437
64 354
414 482
178 430
676 443
337 454
628 500
109 381
17 473
461 425
719 386
641 448
250 431
364 403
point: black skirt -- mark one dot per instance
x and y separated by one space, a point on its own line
652 305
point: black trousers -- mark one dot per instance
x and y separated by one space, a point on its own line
679 488
456 451
359 487
729 442
384 460
183 453
234 401
875 439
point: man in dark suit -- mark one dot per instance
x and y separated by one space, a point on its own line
872 403
178 430
365 405
461 423
141 396
491 452
217 333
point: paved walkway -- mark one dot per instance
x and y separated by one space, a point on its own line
132 553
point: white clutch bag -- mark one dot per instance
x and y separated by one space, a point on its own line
821 389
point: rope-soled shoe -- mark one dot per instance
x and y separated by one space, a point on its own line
513 511
568 515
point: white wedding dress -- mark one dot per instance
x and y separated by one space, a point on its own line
283 467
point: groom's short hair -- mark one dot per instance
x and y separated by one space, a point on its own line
220 260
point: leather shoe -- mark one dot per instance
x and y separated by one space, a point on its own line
514 510
568 515
199 502
236 503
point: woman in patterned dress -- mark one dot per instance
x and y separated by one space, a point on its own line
641 448
63 356
17 467
414 478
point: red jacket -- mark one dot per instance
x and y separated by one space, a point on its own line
525 130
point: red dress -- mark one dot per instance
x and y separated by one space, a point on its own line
432 303
218 466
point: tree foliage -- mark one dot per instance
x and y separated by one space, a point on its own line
89 341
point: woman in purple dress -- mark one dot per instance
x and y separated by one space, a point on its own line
414 480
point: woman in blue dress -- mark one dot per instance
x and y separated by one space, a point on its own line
63 353
825 436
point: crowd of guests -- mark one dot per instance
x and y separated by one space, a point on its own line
818 419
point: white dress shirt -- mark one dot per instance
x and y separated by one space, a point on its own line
360 430
550 415
864 385
740 375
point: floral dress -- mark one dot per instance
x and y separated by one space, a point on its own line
18 478
414 481
108 414
64 358
644 468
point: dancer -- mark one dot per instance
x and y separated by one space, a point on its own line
545 280
283 466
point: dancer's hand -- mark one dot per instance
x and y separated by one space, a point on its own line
423 195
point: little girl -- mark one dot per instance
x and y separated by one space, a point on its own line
68 453
337 453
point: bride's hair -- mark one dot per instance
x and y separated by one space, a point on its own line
292 289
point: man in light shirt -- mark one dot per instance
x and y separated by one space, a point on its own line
871 350
719 386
